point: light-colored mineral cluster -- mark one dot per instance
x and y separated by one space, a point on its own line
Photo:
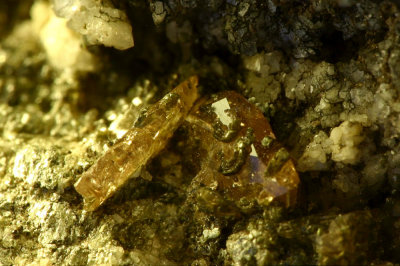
341 146
63 46
66 28
98 21
348 103
265 73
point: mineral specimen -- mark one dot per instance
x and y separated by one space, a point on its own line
98 21
306 28
239 154
63 46
137 146
252 246
326 74
346 242
345 139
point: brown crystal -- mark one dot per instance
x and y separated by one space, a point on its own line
240 156
142 142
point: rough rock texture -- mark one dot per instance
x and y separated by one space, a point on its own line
325 73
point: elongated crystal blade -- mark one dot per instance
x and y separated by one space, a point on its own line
140 143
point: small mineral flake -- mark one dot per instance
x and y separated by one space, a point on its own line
242 168
220 107
253 151
140 143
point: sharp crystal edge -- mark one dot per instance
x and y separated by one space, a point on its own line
140 143
251 164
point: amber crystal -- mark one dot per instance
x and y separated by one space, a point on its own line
142 142
238 152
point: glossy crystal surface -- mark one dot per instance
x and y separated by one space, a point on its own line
239 155
142 142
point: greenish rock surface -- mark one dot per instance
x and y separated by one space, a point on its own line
325 73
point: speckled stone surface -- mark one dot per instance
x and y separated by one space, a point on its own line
324 73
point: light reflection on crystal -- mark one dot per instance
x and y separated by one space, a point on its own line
266 175
137 146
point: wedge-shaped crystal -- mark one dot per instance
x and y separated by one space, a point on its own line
238 152
142 142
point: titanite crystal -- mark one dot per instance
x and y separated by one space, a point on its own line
149 135
238 151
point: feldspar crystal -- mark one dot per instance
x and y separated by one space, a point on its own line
142 142
239 154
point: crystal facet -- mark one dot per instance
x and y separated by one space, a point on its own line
250 164
142 142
